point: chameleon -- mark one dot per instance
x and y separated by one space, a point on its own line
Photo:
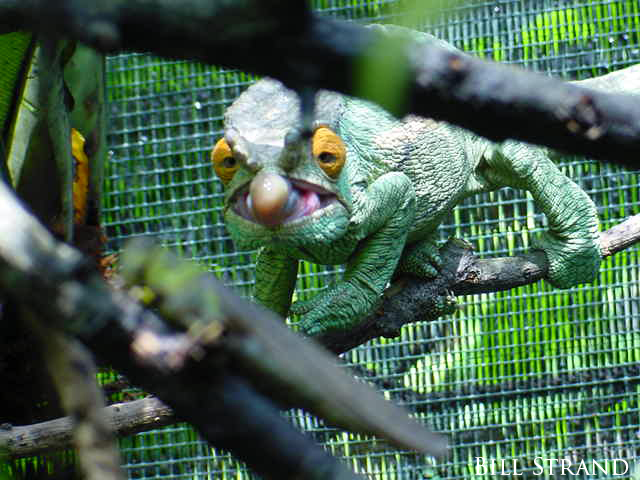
362 188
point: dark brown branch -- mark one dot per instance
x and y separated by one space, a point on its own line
224 385
407 299
262 349
302 50
55 435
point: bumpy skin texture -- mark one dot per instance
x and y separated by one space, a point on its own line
399 179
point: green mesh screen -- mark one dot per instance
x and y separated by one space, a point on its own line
533 372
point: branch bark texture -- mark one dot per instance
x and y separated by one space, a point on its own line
55 435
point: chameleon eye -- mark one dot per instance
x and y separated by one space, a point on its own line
224 164
329 151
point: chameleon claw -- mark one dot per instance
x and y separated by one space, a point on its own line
303 306
312 327
339 307
318 301
421 259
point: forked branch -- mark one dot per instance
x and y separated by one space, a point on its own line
463 273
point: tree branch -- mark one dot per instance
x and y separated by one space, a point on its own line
408 298
493 100
225 385
123 419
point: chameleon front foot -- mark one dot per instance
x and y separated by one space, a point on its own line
340 307
422 259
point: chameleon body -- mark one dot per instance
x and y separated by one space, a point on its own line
365 189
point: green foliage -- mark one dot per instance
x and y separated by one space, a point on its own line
14 49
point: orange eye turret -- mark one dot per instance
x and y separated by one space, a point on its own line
329 151
224 164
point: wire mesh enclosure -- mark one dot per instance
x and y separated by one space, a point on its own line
521 379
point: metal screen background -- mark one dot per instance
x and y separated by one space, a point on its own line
533 372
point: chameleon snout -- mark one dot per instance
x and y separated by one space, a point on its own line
272 199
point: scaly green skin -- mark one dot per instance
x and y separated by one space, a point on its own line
401 177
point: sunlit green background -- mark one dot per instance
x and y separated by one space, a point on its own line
530 372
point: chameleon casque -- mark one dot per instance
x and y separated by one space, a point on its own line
368 190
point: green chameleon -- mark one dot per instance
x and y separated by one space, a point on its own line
365 189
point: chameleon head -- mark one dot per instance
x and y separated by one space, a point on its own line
278 178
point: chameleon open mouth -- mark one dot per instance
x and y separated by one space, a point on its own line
303 199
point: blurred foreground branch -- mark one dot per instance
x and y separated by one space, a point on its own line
405 302
285 41
228 374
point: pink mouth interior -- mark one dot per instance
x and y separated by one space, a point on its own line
310 201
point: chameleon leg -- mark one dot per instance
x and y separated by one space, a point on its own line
381 222
275 280
571 244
